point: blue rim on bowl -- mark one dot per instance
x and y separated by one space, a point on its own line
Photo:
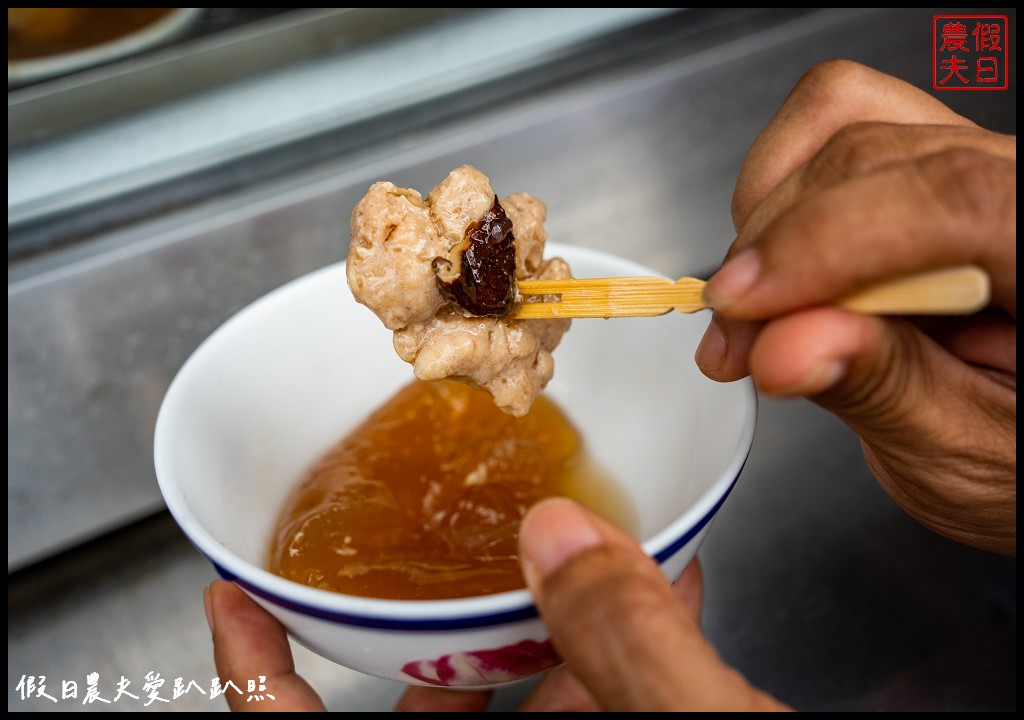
461 622
460 613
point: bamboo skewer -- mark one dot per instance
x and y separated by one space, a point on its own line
950 291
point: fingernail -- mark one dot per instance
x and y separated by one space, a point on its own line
733 280
553 532
822 375
711 352
208 606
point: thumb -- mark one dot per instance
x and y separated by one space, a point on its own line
616 622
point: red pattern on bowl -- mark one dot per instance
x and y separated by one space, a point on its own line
485 667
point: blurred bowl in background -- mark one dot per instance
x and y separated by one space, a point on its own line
46 42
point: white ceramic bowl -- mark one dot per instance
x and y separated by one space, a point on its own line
291 374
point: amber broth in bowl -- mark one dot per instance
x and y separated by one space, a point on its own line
423 500
276 387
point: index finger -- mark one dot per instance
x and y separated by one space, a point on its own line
951 208
827 98
250 644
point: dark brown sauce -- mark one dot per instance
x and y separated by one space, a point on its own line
424 499
39 32
486 281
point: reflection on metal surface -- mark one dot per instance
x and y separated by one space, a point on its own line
198 133
220 45
98 329
818 588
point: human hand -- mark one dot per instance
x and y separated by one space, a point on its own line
249 642
858 178
630 640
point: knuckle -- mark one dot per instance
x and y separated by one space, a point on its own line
853 150
974 187
832 78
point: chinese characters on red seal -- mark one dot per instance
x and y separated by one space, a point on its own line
970 52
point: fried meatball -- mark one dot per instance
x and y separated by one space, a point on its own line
400 245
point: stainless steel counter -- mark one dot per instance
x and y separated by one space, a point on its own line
818 588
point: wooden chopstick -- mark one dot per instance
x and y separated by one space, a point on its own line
949 291
610 297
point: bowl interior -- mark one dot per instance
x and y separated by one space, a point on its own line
287 377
